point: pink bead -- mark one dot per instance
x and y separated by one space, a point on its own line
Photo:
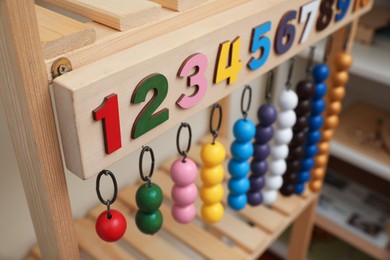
184 214
184 196
184 173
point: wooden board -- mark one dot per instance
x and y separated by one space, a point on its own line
359 130
119 14
179 5
79 92
60 34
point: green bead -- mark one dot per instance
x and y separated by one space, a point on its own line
149 223
149 197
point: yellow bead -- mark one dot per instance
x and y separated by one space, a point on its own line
334 108
211 194
212 213
323 148
343 61
340 78
321 161
315 186
327 135
318 174
213 154
337 94
331 122
212 175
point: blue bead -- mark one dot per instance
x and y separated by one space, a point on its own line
254 198
307 164
313 137
320 73
317 107
244 130
241 151
238 185
304 176
259 168
256 183
264 134
315 122
267 114
299 188
237 202
320 90
311 150
261 151
238 169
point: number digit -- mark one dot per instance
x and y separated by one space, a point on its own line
108 112
197 79
285 34
308 13
342 8
228 68
262 43
326 13
146 120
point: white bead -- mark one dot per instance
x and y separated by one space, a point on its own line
278 167
273 182
287 119
288 100
283 136
279 151
269 196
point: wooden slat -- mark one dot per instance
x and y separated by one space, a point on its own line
119 14
287 205
153 247
179 5
191 235
60 34
94 246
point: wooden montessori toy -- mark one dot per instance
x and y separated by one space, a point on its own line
138 69
149 198
264 132
242 150
184 173
212 172
286 119
111 224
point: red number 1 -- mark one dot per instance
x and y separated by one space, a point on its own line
108 112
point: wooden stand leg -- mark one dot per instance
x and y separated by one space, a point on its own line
301 233
25 94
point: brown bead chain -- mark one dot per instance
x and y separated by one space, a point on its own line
333 109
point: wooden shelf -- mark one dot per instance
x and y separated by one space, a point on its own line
248 232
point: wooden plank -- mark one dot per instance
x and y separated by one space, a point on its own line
152 247
94 246
24 90
199 240
286 205
118 14
60 34
179 5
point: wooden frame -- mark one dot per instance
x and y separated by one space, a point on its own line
24 89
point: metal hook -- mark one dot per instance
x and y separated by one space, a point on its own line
244 111
290 72
184 152
109 201
141 172
328 48
347 35
214 132
310 61
268 89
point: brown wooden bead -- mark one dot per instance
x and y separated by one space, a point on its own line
340 78
315 186
303 108
321 161
323 148
327 135
337 94
331 122
301 124
343 61
334 108
318 173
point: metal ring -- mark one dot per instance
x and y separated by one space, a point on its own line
310 61
290 72
184 152
106 202
215 131
268 89
141 172
245 111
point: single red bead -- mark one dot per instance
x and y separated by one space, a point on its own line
110 229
